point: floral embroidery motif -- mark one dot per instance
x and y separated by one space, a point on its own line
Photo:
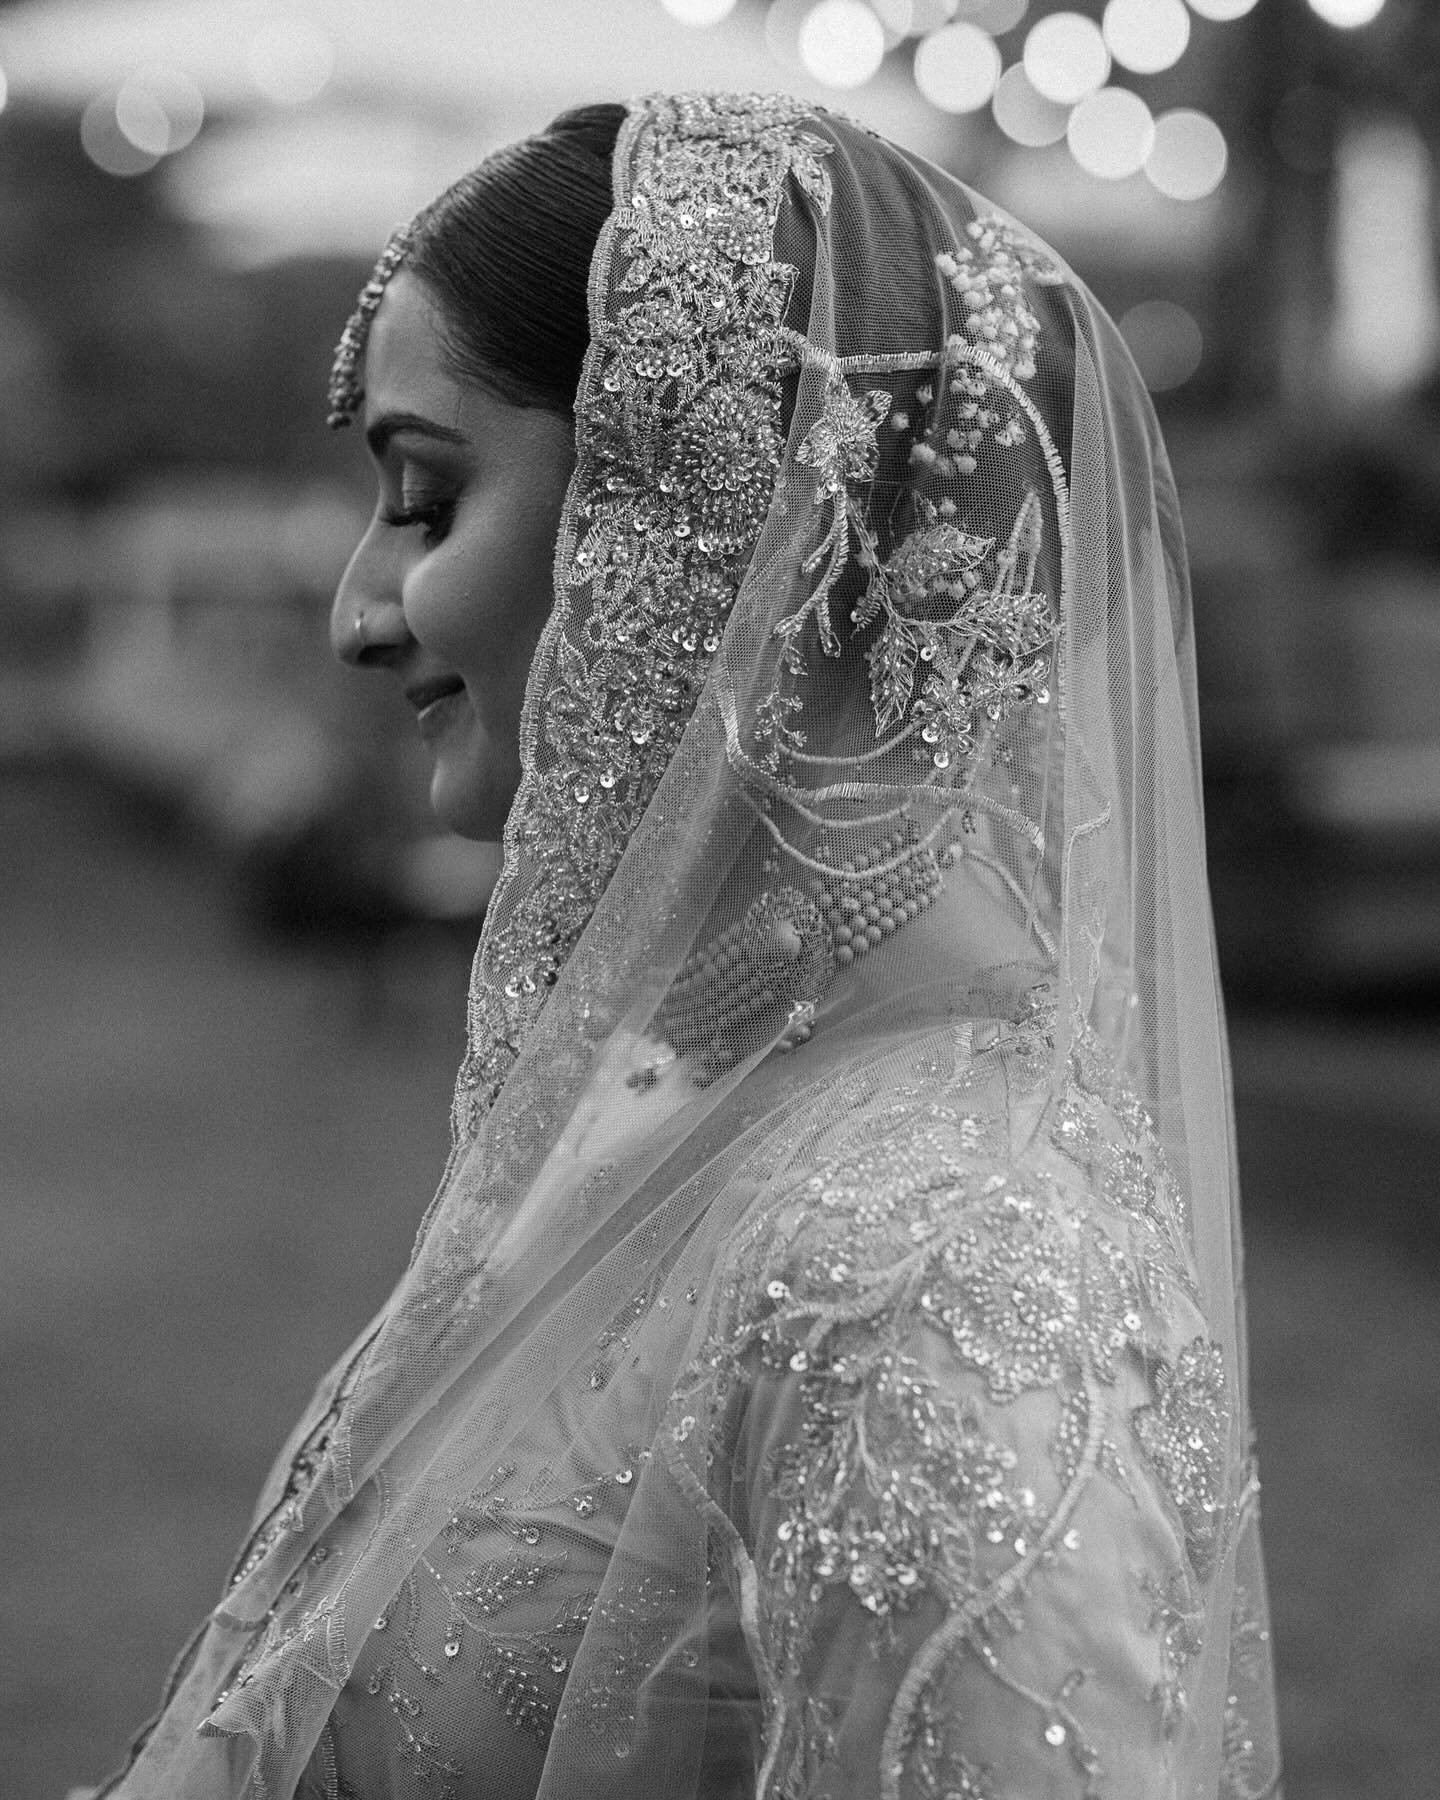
966 637
679 435
1178 1615
451 1620
902 1494
854 1415
1184 1435
1128 1167
970 618
1031 1293
941 1771
840 446
634 1624
988 273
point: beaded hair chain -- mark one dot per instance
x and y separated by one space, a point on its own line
346 390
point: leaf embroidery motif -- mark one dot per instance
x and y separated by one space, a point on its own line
893 659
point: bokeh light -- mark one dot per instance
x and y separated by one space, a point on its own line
160 110
897 18
995 16
1066 58
1111 133
1222 10
1386 323
142 119
1167 344
929 15
1146 36
783 19
290 61
107 145
699 12
1347 14
1189 157
957 68
842 43
1027 117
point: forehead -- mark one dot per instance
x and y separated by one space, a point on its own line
404 367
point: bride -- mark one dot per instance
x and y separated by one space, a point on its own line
821 1371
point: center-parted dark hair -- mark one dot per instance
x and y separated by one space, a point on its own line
506 252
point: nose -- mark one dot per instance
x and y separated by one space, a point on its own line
368 629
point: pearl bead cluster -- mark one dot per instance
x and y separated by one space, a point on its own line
785 951
778 955
869 901
988 277
963 445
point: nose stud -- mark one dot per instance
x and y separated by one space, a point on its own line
359 636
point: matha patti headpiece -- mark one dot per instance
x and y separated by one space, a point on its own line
346 390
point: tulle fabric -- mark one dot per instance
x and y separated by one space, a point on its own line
841 1393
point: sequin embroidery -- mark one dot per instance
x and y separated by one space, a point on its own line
679 439
899 1492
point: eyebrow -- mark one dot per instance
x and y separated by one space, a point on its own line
389 425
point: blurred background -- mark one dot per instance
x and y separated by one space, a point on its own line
233 948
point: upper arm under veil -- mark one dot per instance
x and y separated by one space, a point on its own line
822 1368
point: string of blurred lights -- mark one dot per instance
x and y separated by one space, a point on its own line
1057 88
158 109
1053 78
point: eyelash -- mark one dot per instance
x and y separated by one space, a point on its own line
435 518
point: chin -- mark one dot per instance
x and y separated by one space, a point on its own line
469 801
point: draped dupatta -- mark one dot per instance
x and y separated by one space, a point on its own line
821 1370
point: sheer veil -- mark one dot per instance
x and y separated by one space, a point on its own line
841 1227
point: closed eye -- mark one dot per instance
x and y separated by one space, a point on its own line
435 519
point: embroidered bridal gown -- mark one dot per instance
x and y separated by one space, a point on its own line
822 1369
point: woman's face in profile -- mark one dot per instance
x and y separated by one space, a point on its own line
451 584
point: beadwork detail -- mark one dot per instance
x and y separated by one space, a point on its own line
346 391
988 272
287 1514
774 960
779 959
633 1621
679 440
904 1492
965 636
1183 1434
919 1410
1247 1773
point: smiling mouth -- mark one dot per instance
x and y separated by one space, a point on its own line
426 694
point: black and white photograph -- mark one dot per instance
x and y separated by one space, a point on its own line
720 924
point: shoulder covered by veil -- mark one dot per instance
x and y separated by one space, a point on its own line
822 1368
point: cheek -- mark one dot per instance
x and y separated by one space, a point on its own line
449 601
480 600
